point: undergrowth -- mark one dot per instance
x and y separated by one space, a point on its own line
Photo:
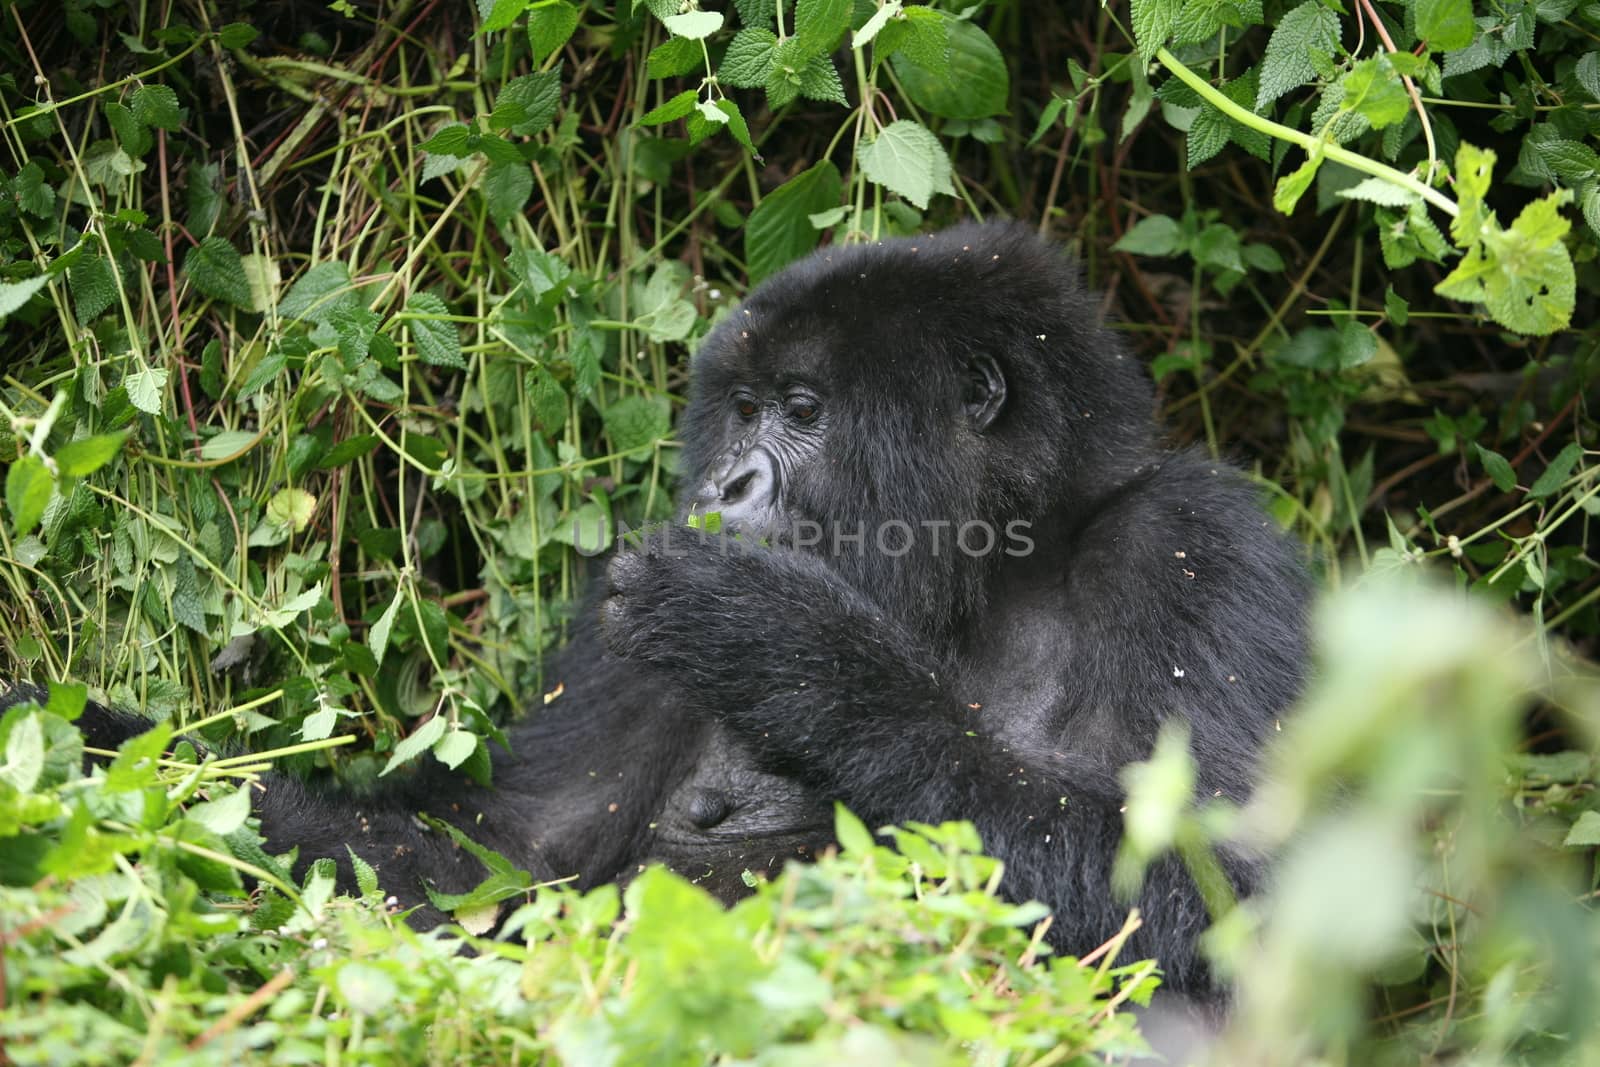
339 338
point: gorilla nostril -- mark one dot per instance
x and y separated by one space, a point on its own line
736 489
708 808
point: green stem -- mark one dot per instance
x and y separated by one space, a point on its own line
1313 145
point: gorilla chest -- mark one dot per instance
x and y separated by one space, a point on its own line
728 817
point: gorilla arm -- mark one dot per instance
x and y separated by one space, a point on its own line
826 689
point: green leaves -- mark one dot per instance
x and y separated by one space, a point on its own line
28 488
1155 235
86 455
1152 24
1374 90
779 230
1523 276
526 106
549 27
214 268
906 159
636 423
747 64
438 341
1445 25
1305 35
973 80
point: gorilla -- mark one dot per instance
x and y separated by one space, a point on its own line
934 563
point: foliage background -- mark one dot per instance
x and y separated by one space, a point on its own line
336 337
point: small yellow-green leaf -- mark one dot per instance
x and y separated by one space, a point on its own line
291 508
28 487
78 458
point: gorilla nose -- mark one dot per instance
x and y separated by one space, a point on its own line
744 489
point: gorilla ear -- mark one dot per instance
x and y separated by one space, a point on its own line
985 393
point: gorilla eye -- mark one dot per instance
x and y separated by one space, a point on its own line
802 409
747 407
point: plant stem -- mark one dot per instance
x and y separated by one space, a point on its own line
1312 145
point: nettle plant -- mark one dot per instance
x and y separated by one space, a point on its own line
940 63
1367 89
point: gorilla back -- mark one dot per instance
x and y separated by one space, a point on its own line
957 578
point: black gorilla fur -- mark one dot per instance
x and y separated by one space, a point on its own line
722 696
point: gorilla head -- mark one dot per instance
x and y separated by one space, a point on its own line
871 401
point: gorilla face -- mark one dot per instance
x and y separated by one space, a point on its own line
773 434
905 410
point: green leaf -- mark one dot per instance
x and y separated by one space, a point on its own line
506 189
695 25
906 159
672 57
1304 32
317 293
500 14
548 400
1587 71
1378 190
1217 247
94 287
870 29
364 987
15 294
132 135
851 833
355 328
737 125
227 444
819 80
977 83
319 724
1585 833
635 423
1156 235
224 815
1152 24
818 24
237 35
676 108
1505 479
157 105
378 636
76 459
550 27
28 487
34 195
1373 90
779 230
215 269
1396 307
1554 475
146 389
291 508
1293 185
452 140
1445 25
24 758
1264 258
1207 135
1532 287
455 747
921 36
526 106
416 743
348 450
438 341
747 64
